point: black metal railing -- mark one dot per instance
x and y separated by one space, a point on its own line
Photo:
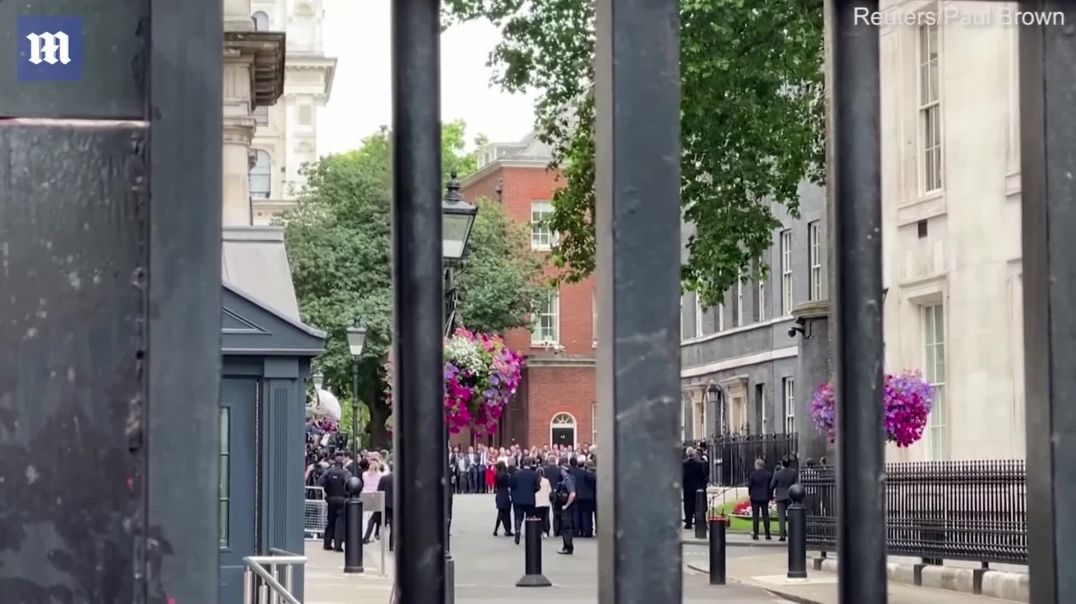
732 456
956 510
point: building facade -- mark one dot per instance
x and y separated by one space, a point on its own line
744 346
286 135
951 223
556 402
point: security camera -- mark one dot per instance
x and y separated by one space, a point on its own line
792 331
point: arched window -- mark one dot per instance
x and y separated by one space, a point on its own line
562 430
259 175
261 21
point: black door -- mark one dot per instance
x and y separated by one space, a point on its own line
238 399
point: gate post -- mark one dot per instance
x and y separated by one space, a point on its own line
637 165
1047 147
856 128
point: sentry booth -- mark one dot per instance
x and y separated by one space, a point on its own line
266 365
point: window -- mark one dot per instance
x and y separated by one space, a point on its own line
934 372
786 272
261 115
814 256
306 115
547 320
788 391
259 175
224 491
720 323
683 319
760 301
698 316
261 21
738 319
594 423
541 233
929 110
760 400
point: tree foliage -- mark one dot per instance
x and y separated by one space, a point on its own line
751 118
339 245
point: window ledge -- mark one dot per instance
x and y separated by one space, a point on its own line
927 206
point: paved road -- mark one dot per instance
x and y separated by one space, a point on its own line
488 567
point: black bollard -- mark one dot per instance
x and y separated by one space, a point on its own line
717 551
533 553
797 534
700 514
353 527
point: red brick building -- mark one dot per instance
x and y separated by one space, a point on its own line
556 400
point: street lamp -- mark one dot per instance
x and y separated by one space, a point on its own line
714 393
457 219
356 339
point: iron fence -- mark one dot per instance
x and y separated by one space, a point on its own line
957 510
732 456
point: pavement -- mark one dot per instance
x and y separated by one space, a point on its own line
488 567
767 571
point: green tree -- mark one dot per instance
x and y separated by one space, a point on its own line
339 245
751 119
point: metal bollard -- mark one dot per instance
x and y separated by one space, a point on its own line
717 551
797 534
353 527
700 514
533 552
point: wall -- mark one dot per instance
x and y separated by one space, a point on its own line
966 254
560 389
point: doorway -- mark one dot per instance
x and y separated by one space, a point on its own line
236 513
562 430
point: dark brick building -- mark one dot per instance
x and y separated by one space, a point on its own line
556 400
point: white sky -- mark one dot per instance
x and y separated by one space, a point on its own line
358 33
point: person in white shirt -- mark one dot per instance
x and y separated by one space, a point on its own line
541 501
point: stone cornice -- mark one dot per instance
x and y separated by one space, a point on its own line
559 361
815 309
238 130
267 73
500 164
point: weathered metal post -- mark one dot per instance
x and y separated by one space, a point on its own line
797 533
638 257
858 301
110 187
717 550
418 299
700 514
353 561
532 556
1047 147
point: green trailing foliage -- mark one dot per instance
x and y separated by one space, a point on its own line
751 119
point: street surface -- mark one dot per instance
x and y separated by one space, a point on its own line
488 567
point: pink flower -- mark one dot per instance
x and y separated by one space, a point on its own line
907 400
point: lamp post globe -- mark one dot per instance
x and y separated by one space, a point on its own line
356 340
457 219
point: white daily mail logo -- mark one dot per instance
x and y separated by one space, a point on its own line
49 47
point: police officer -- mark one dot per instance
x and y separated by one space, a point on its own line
565 495
334 482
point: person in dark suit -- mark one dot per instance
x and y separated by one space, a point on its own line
782 480
386 485
565 499
552 474
758 489
694 478
502 484
585 481
334 482
525 483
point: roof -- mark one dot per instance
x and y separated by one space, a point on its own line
255 262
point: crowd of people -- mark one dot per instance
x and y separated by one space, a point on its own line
331 470
557 486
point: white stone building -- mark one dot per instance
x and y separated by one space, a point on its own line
285 137
951 222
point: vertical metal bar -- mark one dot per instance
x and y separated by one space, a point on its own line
248 587
638 254
858 303
183 362
418 300
1048 152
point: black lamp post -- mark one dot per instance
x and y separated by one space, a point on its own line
457 218
714 393
356 339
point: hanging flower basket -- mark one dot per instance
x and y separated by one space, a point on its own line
907 400
481 375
